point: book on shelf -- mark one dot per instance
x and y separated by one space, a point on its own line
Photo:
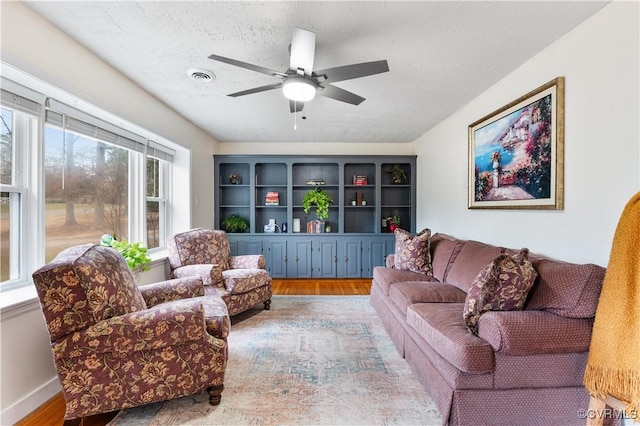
272 199
360 180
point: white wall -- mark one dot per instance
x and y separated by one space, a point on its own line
599 60
33 45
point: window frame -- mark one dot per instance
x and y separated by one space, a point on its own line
26 138
23 94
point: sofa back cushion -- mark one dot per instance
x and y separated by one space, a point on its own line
473 256
566 289
444 249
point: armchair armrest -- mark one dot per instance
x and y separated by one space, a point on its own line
150 329
534 332
248 261
170 290
211 274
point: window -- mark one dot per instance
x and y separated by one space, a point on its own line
9 202
67 177
17 133
157 221
86 190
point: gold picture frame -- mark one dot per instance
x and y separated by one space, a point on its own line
516 153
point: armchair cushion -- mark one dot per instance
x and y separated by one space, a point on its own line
150 329
169 290
199 246
216 314
210 274
248 261
88 282
243 280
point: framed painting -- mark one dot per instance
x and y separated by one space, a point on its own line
516 154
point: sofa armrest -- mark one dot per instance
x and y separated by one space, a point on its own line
149 329
390 261
248 261
170 290
211 274
534 332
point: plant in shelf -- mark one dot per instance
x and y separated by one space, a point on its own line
319 198
234 224
394 222
134 253
398 175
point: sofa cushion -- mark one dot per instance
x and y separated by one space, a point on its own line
412 252
384 277
502 285
566 289
407 293
473 256
243 280
441 325
444 248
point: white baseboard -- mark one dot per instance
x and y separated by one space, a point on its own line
30 403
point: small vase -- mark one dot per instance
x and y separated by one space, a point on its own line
393 227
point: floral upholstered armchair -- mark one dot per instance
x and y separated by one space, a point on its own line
116 345
241 281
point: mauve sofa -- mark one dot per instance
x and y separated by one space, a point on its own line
523 368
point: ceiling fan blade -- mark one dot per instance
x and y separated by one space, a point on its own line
348 72
303 51
256 90
339 94
296 106
256 68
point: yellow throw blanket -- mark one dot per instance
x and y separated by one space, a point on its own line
613 366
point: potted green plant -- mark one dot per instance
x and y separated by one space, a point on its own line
398 175
394 222
134 253
234 223
319 198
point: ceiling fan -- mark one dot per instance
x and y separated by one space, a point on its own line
300 82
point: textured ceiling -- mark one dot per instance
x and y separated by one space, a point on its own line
441 55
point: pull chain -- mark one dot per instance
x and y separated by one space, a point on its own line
295 115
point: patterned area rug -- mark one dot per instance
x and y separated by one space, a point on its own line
310 360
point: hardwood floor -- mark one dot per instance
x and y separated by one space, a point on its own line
51 413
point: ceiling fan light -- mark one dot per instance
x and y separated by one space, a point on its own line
299 90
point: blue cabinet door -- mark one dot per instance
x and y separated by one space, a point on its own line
276 257
250 247
376 255
299 259
350 259
324 259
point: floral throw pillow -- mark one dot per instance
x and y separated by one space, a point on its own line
502 285
412 252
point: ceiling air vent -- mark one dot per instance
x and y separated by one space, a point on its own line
201 75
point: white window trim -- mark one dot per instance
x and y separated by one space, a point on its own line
33 207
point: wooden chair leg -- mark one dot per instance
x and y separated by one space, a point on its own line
215 394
